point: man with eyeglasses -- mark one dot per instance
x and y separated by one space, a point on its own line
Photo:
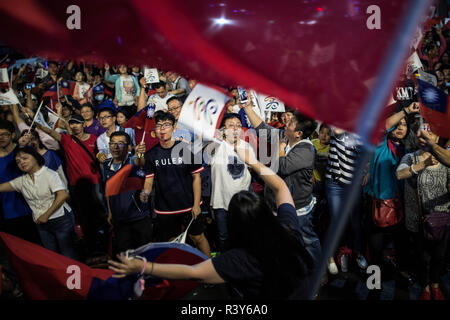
17 218
179 86
126 212
177 185
107 118
174 105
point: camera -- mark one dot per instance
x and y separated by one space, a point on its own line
28 86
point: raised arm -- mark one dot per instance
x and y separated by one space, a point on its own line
426 142
255 120
273 181
142 102
52 133
395 118
15 113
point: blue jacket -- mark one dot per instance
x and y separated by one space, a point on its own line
126 206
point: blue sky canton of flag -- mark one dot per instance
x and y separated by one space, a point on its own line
432 97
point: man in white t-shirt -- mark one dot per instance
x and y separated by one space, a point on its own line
159 99
229 174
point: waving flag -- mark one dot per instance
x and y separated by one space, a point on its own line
51 94
129 178
203 110
264 47
46 275
435 109
142 122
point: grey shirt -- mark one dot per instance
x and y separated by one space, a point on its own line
296 169
434 191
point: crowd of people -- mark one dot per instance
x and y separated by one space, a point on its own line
262 228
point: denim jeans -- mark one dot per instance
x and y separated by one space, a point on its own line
310 237
58 235
220 215
335 194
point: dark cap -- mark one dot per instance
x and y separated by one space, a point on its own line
76 118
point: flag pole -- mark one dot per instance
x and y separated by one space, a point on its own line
365 126
35 116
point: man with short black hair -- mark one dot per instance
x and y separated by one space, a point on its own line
159 99
181 133
130 216
295 165
107 118
178 185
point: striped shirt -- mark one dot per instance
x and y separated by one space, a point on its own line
342 158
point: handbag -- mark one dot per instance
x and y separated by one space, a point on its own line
435 225
386 213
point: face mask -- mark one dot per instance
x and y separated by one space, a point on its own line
99 97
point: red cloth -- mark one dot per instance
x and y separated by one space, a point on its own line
150 137
43 273
310 60
80 168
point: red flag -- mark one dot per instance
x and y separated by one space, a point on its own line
44 274
435 108
141 123
264 47
123 181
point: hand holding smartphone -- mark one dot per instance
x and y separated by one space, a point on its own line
243 97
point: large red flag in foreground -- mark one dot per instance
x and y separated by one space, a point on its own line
47 275
321 57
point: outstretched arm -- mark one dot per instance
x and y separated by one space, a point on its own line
271 179
52 133
6 187
203 272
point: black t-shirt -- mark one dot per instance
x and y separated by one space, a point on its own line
241 269
172 170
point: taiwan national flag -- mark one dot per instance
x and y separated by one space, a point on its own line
143 122
126 179
47 275
435 109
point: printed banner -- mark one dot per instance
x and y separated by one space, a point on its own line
151 75
270 103
8 98
203 110
413 64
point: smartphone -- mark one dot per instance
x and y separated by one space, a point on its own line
425 127
28 86
243 97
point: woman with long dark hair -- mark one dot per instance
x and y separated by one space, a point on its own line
267 258
385 189
427 191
